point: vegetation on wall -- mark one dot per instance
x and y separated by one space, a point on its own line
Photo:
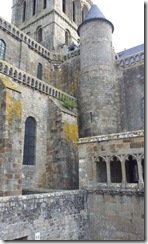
68 103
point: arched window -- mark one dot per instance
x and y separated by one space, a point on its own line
39 71
101 170
74 11
34 7
24 11
84 12
142 109
45 4
2 50
64 6
131 170
67 37
115 168
29 142
39 34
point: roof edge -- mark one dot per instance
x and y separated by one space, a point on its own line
94 19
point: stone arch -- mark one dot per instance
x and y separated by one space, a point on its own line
131 168
101 170
115 169
67 37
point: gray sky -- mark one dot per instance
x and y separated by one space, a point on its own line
127 17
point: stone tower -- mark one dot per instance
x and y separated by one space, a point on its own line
97 77
53 23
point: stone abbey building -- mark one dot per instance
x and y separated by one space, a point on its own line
71 126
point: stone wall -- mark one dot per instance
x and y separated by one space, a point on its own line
10 139
93 215
56 133
116 215
132 93
21 56
50 216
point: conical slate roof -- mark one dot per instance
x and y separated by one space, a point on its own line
95 14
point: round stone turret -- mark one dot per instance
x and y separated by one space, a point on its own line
97 77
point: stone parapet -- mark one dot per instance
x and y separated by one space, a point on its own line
21 36
31 81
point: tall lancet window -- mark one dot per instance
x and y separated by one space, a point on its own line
64 6
34 7
29 142
74 11
84 12
24 11
45 4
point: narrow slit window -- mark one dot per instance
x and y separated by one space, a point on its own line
142 109
24 11
74 11
45 4
34 7
64 6
39 71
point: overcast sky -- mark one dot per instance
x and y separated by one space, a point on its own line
127 17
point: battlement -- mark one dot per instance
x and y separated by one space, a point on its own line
131 59
21 36
31 81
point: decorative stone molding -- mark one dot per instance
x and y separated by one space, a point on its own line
123 135
131 60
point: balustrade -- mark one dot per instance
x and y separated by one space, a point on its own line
33 82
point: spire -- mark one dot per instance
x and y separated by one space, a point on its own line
95 14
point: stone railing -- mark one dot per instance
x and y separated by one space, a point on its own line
20 35
131 60
72 54
31 81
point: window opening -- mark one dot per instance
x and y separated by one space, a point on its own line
115 168
131 170
64 6
39 71
24 11
2 50
74 12
142 164
142 109
101 170
34 7
67 37
39 34
84 12
45 4
29 142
